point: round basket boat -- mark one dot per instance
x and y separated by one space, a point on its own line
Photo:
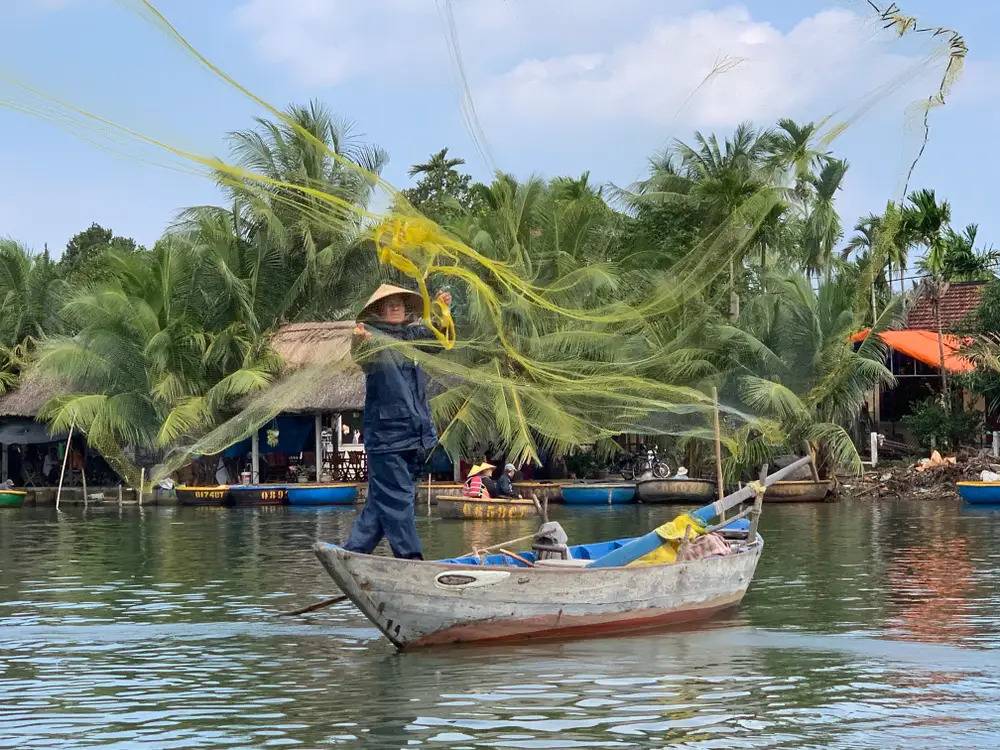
799 491
598 494
12 498
322 494
675 490
542 490
199 495
482 509
437 488
258 494
980 493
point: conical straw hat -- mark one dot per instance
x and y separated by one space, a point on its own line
478 468
413 301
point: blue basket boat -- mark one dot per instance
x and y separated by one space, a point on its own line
980 493
598 494
322 494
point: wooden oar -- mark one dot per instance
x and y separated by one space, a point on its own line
648 542
312 607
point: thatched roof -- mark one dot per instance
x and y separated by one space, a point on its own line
30 396
336 383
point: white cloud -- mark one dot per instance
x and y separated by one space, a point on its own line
826 59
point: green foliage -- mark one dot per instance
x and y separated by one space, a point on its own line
82 261
442 193
947 429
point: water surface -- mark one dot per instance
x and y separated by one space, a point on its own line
866 626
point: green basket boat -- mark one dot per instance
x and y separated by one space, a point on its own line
12 498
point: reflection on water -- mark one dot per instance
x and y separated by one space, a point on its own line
867 626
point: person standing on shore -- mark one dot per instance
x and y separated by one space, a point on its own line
397 424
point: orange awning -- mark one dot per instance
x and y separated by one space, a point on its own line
923 346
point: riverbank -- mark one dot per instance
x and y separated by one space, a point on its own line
921 480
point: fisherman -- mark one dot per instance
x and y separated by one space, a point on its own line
397 422
505 484
479 484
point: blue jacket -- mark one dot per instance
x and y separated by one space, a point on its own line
397 416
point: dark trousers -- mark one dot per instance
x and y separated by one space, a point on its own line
388 510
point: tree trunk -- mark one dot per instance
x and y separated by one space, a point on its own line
734 297
945 392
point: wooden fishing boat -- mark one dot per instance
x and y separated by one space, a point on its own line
598 494
675 490
322 494
799 491
591 589
980 493
491 509
12 498
199 495
542 490
418 603
257 494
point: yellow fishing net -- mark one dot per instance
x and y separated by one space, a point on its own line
555 354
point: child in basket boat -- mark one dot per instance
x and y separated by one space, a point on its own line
397 422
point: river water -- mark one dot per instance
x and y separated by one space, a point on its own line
866 626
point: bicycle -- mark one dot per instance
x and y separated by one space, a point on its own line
650 461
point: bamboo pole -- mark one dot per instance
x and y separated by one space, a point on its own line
142 481
718 445
83 478
62 473
428 493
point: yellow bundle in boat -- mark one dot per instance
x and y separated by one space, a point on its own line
684 526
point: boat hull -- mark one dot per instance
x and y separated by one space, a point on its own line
470 508
12 498
798 491
541 490
980 493
257 494
598 494
413 604
217 495
331 494
675 490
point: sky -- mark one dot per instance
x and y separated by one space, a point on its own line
557 88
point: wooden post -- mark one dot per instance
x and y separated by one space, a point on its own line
996 444
874 449
62 473
142 481
120 498
255 457
83 479
718 445
319 447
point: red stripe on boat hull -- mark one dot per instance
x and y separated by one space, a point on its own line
557 626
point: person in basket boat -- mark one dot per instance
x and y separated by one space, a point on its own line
397 422
505 484
479 484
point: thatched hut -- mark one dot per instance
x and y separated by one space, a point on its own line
321 380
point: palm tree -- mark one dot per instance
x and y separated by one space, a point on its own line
927 222
321 227
791 362
438 162
822 226
152 361
725 178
